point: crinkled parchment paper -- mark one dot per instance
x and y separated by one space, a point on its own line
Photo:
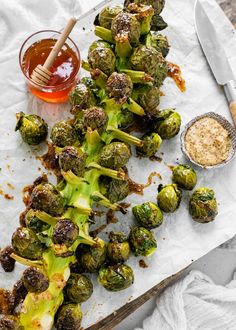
180 239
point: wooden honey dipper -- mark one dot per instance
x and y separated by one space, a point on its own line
42 74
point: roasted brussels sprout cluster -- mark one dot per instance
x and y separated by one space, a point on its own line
115 190
35 280
115 155
184 176
9 322
169 198
116 277
107 14
72 159
168 123
126 24
63 134
96 119
159 42
151 144
65 232
81 97
203 205
148 215
102 58
33 129
79 288
69 317
142 241
92 258
118 249
119 86
45 197
148 96
34 223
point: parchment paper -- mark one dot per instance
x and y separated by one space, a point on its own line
180 239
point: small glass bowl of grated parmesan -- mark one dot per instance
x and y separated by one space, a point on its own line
209 141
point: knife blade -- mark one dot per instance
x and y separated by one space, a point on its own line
215 53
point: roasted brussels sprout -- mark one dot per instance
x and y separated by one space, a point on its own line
142 241
46 198
69 317
98 44
81 97
26 244
7 263
168 123
119 86
72 159
116 277
79 288
203 205
102 58
34 223
63 134
144 14
33 129
148 215
115 155
169 197
115 190
65 232
126 118
9 322
158 5
184 176
148 97
118 249
35 280
151 144
159 42
149 60
126 24
107 14
96 119
91 258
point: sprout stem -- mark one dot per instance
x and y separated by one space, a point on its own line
26 262
107 171
123 47
135 107
86 66
99 198
71 178
125 137
45 217
100 78
104 34
82 209
138 76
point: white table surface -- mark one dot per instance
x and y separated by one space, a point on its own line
219 264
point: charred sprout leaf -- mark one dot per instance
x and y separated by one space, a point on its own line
168 123
35 280
115 155
65 232
107 14
149 60
63 134
69 317
142 241
159 42
96 119
148 215
46 198
126 24
99 44
116 277
158 23
79 288
26 244
151 144
119 86
7 263
203 205
148 97
9 322
118 249
184 176
115 190
102 58
34 223
92 257
33 129
72 159
169 198
81 97
126 119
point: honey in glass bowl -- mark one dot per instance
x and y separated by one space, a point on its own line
35 51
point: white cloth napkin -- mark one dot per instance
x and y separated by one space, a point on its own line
195 303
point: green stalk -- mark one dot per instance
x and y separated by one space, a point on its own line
135 107
125 137
138 76
104 34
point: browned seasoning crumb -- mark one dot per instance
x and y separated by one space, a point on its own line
111 217
7 263
169 166
10 186
7 196
156 158
28 189
174 72
50 160
8 166
95 232
142 264
39 169
5 302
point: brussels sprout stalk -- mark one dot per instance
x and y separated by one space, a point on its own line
104 34
138 76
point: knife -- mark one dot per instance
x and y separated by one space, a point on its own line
215 53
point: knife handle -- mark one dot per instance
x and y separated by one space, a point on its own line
230 91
